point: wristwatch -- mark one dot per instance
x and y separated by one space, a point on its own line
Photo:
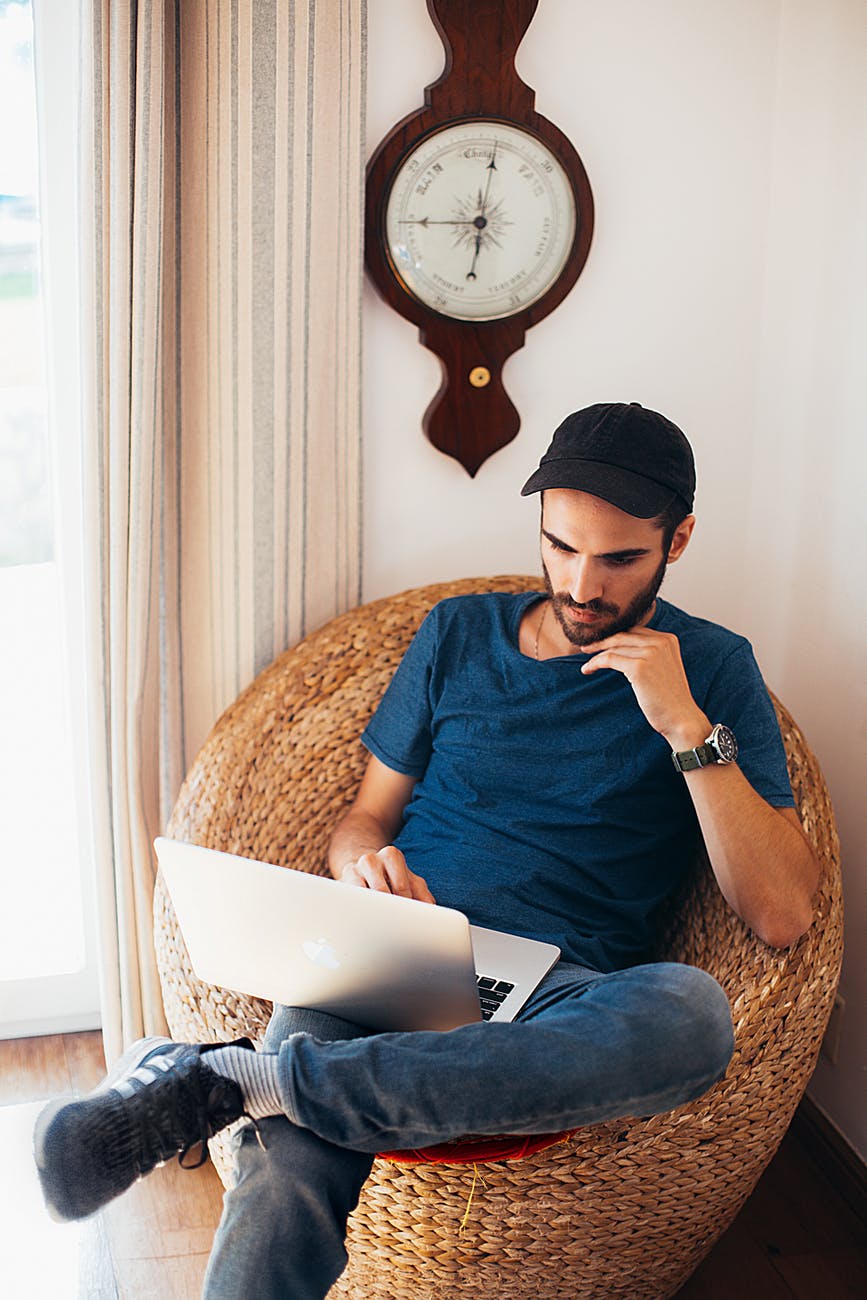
720 747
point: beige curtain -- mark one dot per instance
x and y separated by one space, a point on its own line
222 182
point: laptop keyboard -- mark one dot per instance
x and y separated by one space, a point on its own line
491 993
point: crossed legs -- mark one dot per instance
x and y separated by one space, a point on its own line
586 1048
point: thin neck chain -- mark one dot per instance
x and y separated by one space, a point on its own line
539 630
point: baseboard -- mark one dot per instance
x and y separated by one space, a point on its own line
41 1026
839 1162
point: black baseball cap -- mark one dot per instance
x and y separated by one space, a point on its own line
624 453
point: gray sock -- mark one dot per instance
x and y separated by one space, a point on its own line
255 1072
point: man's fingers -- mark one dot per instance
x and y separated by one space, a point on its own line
370 872
401 880
387 873
619 659
352 875
395 871
420 890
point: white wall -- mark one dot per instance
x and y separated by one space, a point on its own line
726 150
807 596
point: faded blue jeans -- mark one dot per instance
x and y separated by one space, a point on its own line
587 1047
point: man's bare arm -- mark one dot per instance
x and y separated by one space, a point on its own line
361 851
761 858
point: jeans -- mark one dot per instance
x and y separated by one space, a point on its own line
587 1047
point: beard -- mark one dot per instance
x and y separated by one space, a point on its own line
620 620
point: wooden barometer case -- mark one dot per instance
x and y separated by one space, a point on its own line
478 221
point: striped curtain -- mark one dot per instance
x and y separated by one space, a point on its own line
222 170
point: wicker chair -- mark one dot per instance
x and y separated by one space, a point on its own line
618 1209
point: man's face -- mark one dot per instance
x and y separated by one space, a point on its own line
602 566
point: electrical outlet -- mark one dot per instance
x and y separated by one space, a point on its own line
831 1041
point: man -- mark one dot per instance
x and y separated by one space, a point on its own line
542 761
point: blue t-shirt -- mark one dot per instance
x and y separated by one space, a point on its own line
546 804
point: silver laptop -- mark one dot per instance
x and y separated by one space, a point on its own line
375 959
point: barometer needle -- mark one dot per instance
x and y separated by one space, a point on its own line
430 221
492 167
481 220
471 274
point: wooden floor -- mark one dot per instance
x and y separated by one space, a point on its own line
795 1238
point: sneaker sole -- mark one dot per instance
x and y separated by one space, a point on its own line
41 1131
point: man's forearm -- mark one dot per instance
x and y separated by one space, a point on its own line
763 862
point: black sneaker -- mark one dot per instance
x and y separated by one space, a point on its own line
161 1100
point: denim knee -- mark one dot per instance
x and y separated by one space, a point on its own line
700 1029
286 1021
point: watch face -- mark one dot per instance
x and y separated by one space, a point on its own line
480 220
725 743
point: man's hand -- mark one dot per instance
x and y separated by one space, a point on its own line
386 871
651 663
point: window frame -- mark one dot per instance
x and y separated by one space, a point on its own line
69 1002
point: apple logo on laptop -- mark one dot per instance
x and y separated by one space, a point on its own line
321 953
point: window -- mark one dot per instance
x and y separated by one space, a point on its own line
47 965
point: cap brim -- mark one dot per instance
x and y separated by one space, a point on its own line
632 493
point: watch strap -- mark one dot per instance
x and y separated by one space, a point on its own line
689 759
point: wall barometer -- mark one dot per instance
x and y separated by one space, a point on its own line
479 218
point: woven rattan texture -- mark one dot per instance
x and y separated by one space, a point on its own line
625 1209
